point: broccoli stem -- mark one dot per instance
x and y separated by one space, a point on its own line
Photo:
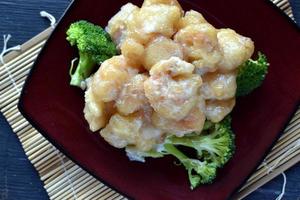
171 149
198 172
186 161
187 141
83 69
198 143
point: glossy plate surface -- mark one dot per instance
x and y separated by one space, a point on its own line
56 109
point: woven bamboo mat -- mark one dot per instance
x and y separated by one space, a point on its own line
65 180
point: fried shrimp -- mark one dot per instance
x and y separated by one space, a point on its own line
118 25
96 112
192 122
166 2
191 18
200 46
216 110
172 88
109 79
152 20
132 130
132 96
161 48
218 86
236 49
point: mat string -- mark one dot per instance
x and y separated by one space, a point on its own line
6 50
271 168
50 17
52 20
283 187
66 173
294 147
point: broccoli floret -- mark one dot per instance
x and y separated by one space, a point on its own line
199 172
251 75
94 46
215 145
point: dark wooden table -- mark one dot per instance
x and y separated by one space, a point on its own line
18 178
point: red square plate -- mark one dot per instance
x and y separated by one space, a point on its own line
55 108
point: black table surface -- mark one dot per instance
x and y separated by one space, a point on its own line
18 178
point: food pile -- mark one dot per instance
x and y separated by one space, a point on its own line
167 78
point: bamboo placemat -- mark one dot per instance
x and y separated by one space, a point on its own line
62 178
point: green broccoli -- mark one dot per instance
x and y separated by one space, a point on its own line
199 172
251 75
214 146
94 46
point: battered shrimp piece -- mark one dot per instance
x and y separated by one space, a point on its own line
236 49
131 130
200 45
172 88
218 86
133 51
193 122
149 136
217 110
94 111
191 18
117 25
167 2
153 20
110 77
122 130
132 97
161 48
